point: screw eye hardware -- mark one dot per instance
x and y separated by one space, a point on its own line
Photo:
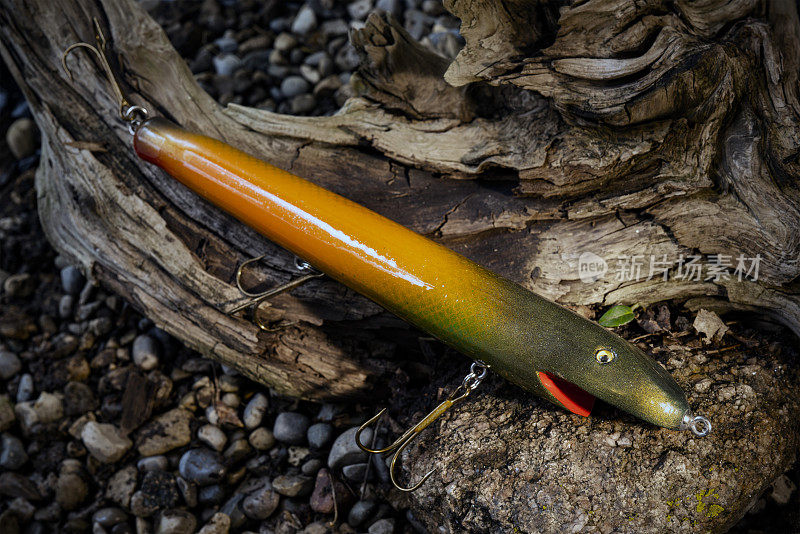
604 356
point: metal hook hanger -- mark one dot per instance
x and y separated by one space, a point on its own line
133 115
477 372
257 298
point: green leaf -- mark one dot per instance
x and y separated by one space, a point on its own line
616 316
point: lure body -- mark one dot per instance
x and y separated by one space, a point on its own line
530 341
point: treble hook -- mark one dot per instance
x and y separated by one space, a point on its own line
257 298
477 372
133 115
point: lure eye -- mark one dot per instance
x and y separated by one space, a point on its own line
604 356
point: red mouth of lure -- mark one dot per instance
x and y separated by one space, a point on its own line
568 394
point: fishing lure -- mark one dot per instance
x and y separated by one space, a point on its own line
539 345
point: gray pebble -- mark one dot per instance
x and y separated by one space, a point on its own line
12 453
145 352
188 491
72 280
310 74
226 64
254 411
345 451
347 58
291 427
202 466
65 305
417 23
213 494
10 364
360 512
326 66
226 44
320 435
284 42
355 472
395 7
256 60
238 450
305 21
359 9
433 7
303 104
105 442
121 486
311 467
382 526
292 86
278 71
233 509
212 436
108 517
293 485
22 138
261 439
25 388
335 28
261 503
314 59
175 522
153 463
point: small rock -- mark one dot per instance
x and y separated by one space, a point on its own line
65 306
417 23
319 435
105 442
303 104
710 325
10 364
188 491
213 494
355 472
22 138
432 7
345 451
233 509
72 280
322 497
175 522
257 43
145 352
395 7
71 488
254 411
311 467
359 9
110 516
237 451
12 453
212 436
226 64
262 439
164 433
782 490
334 28
310 73
226 44
305 21
293 485
19 285
261 503
219 524
7 416
78 399
158 492
25 388
291 427
153 463
292 86
49 407
382 526
16 485
201 466
121 486
360 512
23 509
284 42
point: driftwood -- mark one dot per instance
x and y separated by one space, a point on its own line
618 129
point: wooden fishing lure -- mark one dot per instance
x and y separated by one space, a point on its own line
537 344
